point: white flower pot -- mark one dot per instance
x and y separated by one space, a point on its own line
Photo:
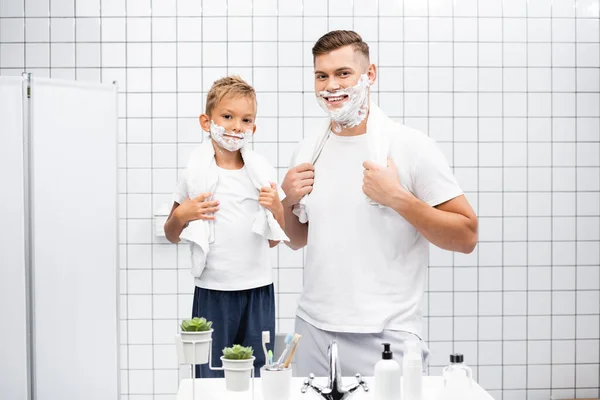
237 374
192 347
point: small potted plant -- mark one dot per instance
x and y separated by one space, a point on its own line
238 362
196 334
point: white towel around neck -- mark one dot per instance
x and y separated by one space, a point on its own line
379 129
202 176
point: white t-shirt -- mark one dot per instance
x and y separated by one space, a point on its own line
238 258
365 264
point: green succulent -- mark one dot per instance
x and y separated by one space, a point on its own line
237 352
196 325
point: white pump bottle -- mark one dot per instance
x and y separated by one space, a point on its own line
387 377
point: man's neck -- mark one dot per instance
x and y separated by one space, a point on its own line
359 129
228 159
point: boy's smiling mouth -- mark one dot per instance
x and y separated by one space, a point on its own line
232 136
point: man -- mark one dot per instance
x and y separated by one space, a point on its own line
365 196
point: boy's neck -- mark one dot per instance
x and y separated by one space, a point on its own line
228 159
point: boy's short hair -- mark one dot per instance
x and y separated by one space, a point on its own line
337 39
229 86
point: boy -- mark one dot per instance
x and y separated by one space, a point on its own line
228 208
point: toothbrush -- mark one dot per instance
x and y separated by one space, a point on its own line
289 359
288 344
270 353
266 338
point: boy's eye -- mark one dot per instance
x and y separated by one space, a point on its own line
227 116
248 121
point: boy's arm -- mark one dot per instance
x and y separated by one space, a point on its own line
269 198
189 210
278 214
174 225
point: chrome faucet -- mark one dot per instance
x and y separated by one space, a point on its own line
334 389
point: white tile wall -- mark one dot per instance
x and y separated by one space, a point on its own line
508 88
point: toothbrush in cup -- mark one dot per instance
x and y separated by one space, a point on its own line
266 338
288 345
295 341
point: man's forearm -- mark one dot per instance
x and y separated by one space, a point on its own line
447 230
296 231
173 228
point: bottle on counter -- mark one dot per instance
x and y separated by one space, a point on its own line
458 379
412 371
387 376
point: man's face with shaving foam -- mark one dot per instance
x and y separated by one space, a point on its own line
338 70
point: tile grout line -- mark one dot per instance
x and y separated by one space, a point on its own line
152 205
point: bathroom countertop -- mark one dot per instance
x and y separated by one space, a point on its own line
214 389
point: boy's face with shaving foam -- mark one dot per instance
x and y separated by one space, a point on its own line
340 69
235 113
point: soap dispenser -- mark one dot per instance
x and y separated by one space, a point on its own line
387 376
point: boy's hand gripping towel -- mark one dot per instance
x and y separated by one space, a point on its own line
202 176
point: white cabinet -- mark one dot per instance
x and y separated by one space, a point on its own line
59 240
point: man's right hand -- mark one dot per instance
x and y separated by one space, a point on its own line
298 182
197 208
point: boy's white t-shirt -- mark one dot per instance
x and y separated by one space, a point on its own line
238 258
365 265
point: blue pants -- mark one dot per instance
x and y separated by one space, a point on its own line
238 317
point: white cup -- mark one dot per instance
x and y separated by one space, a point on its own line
276 384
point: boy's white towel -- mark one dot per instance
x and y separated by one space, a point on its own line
379 131
202 176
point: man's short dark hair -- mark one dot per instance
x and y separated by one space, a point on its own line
337 39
